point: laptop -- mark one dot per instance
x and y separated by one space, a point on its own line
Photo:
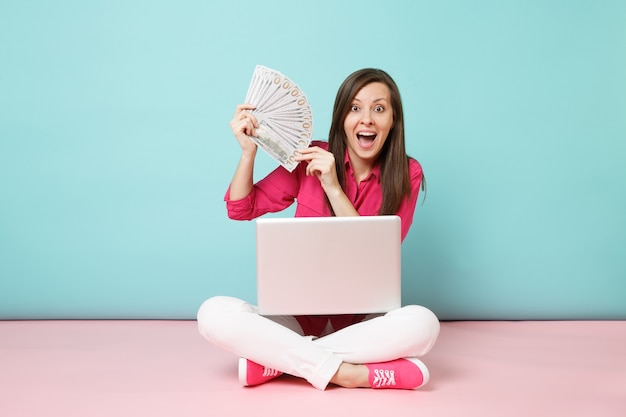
328 265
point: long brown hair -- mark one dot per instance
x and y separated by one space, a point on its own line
393 160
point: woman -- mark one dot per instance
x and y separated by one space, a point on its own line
362 170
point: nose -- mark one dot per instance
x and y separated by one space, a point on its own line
366 118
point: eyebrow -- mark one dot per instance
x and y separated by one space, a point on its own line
375 100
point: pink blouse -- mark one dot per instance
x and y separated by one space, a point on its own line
279 189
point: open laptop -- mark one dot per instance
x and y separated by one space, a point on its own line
328 265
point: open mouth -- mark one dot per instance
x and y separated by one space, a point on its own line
366 139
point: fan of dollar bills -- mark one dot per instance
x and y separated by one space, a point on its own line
284 115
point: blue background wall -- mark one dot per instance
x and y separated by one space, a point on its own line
115 149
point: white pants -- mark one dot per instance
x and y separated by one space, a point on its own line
277 341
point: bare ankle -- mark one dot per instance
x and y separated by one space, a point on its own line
351 376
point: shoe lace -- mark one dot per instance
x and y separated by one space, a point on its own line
384 378
269 372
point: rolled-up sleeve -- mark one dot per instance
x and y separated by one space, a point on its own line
274 193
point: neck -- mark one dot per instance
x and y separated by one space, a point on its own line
360 167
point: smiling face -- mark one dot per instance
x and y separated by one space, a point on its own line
367 124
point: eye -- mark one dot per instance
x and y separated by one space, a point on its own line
354 107
379 109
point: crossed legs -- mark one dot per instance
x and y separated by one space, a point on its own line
338 357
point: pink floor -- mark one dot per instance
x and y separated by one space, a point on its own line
164 368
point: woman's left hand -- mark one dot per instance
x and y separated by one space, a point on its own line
320 163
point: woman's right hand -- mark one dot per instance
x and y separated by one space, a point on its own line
244 124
